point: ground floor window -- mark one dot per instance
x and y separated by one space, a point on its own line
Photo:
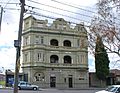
39 76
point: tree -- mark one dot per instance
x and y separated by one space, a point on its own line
106 25
101 60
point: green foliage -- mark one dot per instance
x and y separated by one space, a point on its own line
101 60
2 83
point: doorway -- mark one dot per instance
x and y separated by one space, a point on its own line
52 82
70 81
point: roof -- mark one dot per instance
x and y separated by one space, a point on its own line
2 75
115 71
29 17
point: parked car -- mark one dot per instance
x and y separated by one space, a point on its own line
111 89
27 86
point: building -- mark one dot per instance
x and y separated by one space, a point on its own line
95 82
112 79
2 77
55 55
9 78
2 80
116 75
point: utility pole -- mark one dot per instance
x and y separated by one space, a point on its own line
1 17
17 44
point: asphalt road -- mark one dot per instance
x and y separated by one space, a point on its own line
50 91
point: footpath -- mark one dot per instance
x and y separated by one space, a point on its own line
90 88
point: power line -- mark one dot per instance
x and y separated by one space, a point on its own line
1 8
8 3
60 9
51 17
75 7
47 16
11 9
54 12
50 11
68 10
81 6
59 14
72 6
55 8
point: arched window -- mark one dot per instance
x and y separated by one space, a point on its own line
54 59
67 43
39 76
67 59
54 42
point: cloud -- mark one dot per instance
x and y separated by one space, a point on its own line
7 58
9 32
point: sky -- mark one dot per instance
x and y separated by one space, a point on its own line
10 23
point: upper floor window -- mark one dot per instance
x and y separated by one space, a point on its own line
54 59
37 39
42 39
26 57
83 59
55 26
26 24
83 43
54 42
43 57
60 26
78 42
67 43
26 40
39 56
67 59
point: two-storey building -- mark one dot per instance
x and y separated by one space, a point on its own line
55 55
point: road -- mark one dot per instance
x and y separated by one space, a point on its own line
49 91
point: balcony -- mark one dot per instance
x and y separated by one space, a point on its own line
54 65
53 48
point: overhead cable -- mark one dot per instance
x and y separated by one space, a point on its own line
8 3
11 9
60 9
60 14
72 6
75 7
68 10
51 17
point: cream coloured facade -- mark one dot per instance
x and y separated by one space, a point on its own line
56 55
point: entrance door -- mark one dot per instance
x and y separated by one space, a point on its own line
52 82
70 82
